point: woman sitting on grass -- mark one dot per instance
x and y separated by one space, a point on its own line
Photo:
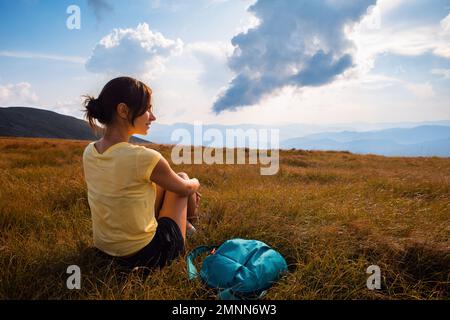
140 207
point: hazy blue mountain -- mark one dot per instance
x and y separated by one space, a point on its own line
420 141
399 135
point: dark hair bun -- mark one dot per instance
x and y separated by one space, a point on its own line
94 108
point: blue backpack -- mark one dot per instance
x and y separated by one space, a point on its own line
239 269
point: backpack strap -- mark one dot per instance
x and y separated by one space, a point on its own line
228 294
192 270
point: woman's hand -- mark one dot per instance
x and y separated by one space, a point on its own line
164 176
195 183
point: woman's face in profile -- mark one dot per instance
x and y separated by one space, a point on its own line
142 123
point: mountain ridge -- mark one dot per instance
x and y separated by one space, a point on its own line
35 123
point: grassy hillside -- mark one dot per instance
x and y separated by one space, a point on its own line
331 214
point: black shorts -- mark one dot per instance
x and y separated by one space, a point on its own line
166 245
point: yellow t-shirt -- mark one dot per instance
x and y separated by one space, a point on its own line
121 196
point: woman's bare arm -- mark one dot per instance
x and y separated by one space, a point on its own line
164 176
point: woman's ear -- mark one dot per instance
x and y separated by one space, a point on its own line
122 110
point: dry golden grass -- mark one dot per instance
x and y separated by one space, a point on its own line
331 214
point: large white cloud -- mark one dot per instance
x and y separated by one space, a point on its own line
20 94
213 59
374 36
137 52
296 43
402 37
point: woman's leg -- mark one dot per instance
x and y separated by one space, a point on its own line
191 207
160 193
175 207
192 212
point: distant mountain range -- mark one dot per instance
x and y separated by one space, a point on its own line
411 139
162 132
403 139
39 123
429 140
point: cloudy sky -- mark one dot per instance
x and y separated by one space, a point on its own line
235 61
